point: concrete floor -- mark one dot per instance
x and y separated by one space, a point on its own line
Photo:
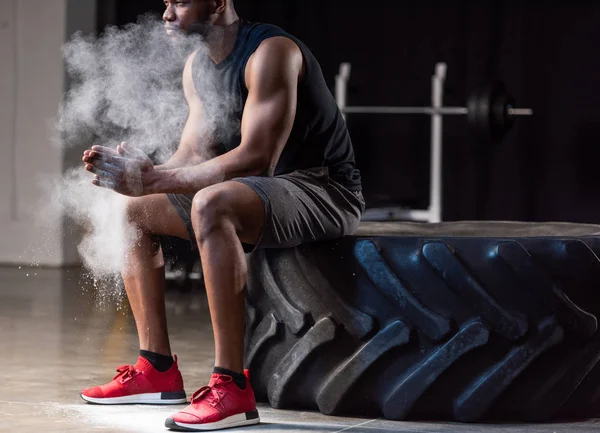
59 335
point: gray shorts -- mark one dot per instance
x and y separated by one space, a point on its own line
301 206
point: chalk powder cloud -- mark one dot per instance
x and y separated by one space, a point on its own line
126 85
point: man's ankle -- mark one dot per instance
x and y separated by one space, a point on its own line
238 378
160 362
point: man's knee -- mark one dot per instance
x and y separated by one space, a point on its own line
212 208
135 211
140 214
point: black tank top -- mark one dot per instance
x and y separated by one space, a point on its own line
319 137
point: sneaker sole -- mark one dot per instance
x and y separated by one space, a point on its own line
148 398
238 420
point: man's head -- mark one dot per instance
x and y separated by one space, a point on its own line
195 15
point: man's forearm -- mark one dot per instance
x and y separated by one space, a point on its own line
179 161
183 180
191 179
183 157
170 165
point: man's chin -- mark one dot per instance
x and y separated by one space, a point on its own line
199 28
175 36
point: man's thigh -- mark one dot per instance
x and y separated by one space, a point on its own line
155 214
304 206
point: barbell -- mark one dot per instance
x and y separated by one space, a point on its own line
490 111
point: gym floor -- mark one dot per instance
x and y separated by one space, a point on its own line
59 335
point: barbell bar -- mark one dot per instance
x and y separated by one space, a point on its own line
490 111
446 111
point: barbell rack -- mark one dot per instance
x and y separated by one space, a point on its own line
433 213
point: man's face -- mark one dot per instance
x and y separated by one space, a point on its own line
180 15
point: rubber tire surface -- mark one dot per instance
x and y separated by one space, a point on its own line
460 328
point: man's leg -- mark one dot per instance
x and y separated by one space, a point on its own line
155 378
143 271
223 216
291 209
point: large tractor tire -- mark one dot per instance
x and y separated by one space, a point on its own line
459 321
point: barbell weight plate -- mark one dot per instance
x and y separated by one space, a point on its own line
478 115
500 118
488 116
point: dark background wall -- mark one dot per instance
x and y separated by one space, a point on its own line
544 169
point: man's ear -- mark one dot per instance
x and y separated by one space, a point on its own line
220 6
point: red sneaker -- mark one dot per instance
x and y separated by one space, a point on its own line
221 404
140 383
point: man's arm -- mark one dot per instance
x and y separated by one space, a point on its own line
272 75
191 138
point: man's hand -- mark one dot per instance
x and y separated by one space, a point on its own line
124 170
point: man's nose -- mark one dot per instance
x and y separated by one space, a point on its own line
169 15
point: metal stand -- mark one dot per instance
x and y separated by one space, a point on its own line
434 213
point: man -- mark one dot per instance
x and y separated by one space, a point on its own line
286 175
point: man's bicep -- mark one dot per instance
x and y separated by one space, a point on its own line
272 81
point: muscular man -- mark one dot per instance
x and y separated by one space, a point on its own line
286 175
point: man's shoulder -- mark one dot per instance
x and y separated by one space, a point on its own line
272 39
260 31
277 54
